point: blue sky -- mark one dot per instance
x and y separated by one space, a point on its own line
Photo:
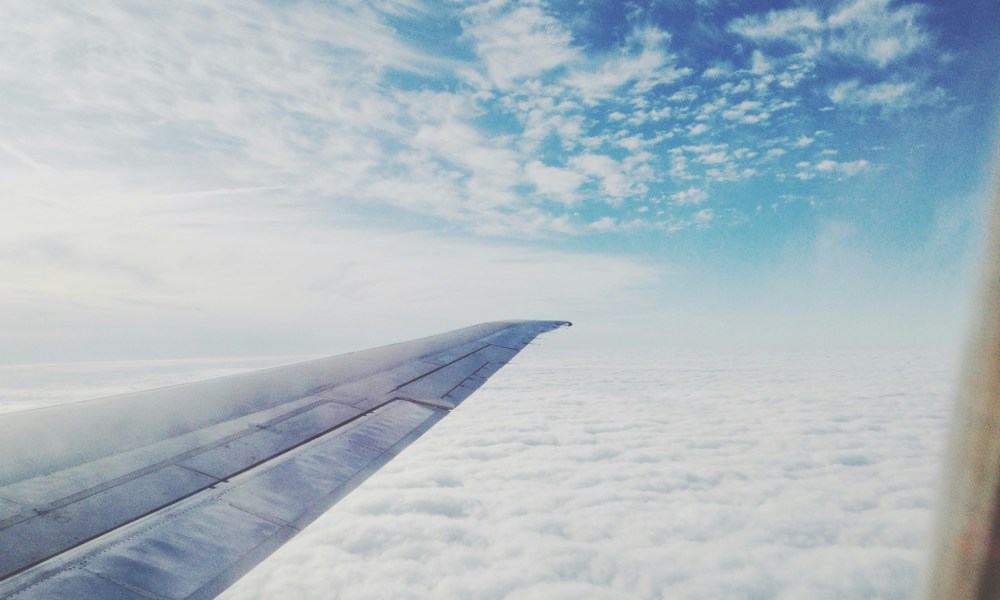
265 177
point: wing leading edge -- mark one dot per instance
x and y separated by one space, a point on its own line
177 492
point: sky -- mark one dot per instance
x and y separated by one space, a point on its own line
741 206
261 178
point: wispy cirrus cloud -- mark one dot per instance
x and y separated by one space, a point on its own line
887 95
796 25
868 30
518 43
877 32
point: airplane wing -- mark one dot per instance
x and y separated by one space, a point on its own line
177 492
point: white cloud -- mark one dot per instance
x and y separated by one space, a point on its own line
306 100
804 171
603 224
692 196
224 192
240 96
644 64
541 117
736 88
519 43
99 261
703 216
831 168
766 477
557 182
608 171
716 161
718 71
888 96
679 165
697 129
659 114
747 112
632 143
684 95
867 30
792 23
710 108
250 96
874 31
23 158
490 168
619 474
713 158
848 169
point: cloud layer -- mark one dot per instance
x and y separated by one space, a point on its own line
647 476
642 476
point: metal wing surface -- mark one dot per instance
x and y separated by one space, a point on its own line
177 492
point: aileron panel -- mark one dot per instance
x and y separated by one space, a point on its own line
174 561
77 583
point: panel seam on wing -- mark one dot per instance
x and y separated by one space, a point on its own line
435 370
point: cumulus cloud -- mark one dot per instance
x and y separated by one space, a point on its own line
640 475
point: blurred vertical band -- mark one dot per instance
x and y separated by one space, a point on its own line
965 559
